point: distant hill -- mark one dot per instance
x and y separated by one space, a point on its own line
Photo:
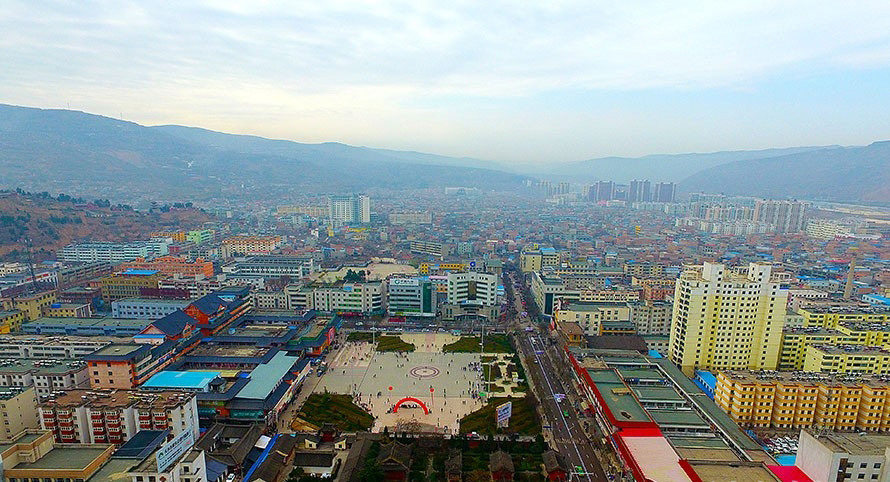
847 174
657 167
51 224
85 154
55 149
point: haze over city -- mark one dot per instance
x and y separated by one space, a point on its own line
512 82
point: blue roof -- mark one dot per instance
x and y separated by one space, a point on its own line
140 272
189 380
708 378
174 323
209 304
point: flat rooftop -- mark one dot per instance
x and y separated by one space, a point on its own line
657 394
119 398
855 444
851 350
686 418
618 396
103 321
181 380
65 457
717 471
118 349
229 351
52 366
639 373
264 331
61 340
806 378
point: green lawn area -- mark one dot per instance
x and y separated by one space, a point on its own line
470 344
321 408
523 422
384 342
359 336
393 343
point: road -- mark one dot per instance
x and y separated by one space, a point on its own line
569 437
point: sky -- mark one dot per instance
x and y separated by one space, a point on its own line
524 82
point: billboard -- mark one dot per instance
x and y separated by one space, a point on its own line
503 414
174 449
404 282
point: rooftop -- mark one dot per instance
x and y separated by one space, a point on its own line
181 380
230 351
806 378
660 394
52 366
118 398
11 392
102 321
851 350
264 378
118 349
855 444
685 418
618 397
65 457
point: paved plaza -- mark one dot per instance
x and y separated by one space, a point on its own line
368 375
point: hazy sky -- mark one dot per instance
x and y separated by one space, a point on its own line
490 79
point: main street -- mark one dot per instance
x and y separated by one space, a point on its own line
566 428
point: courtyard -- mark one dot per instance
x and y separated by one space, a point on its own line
447 384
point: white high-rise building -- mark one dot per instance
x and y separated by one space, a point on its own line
349 209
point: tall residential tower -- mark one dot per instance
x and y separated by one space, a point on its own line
728 318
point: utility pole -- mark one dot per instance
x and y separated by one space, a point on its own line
31 267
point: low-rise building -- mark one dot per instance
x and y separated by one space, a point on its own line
411 297
782 400
171 266
145 308
113 416
17 412
843 456
46 376
129 284
847 359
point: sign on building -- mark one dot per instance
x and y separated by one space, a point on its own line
504 412
174 449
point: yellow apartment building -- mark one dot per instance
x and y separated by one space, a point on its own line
770 399
728 318
795 341
831 315
847 359
33 305
439 268
11 321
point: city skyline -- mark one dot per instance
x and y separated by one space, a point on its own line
507 83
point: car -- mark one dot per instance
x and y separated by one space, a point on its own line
230 478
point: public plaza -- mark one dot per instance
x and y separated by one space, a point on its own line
447 383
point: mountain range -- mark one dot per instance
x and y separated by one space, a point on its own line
71 151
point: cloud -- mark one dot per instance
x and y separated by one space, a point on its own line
381 64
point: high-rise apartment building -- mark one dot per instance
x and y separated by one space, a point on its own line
349 209
728 319
787 216
639 191
665 192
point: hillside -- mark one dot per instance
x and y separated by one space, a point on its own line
847 174
657 167
61 150
52 224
